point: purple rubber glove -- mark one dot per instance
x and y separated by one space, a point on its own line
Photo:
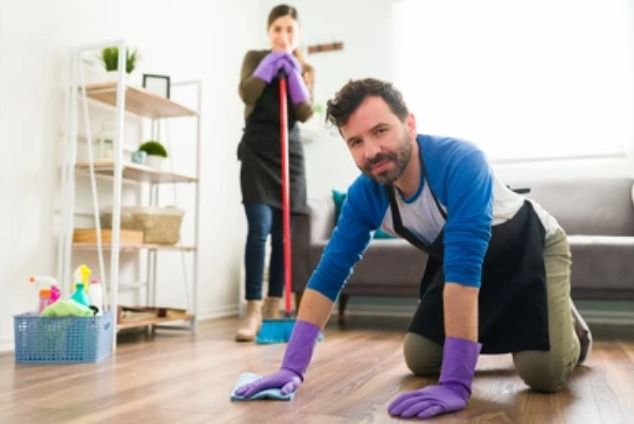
269 66
296 359
454 386
290 63
297 88
296 85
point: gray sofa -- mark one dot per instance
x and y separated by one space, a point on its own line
597 214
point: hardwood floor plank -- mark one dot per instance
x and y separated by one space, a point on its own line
355 374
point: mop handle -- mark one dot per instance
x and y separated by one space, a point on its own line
286 207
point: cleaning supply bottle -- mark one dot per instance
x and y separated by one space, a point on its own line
82 274
79 295
56 293
96 295
45 299
47 295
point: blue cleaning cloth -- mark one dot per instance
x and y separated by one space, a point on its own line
268 394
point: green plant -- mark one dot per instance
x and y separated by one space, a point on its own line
110 58
153 147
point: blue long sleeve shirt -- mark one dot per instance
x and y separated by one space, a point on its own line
459 176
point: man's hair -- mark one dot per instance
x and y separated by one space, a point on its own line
351 95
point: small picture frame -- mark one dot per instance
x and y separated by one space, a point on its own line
158 84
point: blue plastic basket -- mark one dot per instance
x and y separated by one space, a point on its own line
62 340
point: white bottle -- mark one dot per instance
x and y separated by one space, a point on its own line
96 295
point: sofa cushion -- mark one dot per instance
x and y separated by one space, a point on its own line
588 206
389 266
603 264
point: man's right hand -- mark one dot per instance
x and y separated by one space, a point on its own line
296 359
286 380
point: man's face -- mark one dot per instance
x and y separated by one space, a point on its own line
380 143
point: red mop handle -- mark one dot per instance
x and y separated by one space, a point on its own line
286 206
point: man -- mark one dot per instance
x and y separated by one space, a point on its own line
498 274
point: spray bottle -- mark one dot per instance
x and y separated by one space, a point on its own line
82 275
81 286
48 295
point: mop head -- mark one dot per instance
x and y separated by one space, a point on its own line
278 331
268 394
275 331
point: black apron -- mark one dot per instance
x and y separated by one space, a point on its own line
259 150
512 303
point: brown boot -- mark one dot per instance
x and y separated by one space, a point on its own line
250 324
271 308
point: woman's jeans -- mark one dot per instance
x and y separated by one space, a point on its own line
263 220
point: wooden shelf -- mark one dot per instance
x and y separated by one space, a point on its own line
138 101
89 246
150 316
125 324
136 172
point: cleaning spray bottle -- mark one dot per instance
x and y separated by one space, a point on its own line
82 274
79 295
80 288
47 295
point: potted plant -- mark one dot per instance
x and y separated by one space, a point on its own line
110 58
156 154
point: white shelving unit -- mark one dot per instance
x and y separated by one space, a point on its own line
125 99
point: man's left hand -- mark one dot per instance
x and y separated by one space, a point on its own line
454 386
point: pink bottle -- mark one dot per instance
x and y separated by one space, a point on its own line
45 299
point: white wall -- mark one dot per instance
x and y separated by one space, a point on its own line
365 27
196 39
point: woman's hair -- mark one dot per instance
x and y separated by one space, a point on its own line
351 95
282 10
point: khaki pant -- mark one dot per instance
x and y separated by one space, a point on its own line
544 371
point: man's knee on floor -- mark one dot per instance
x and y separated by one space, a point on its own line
540 373
422 356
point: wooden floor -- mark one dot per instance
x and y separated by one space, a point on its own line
356 372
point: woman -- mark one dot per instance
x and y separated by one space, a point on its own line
259 151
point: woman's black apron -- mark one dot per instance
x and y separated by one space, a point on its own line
512 305
259 151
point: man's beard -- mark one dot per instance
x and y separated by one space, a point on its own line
400 158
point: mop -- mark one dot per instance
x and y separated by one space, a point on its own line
279 330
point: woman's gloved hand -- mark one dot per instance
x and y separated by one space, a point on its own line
296 86
290 63
268 68
296 359
454 386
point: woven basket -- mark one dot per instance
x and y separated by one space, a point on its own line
159 225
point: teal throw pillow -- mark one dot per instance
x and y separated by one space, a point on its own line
338 197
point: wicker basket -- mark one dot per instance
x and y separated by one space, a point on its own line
159 225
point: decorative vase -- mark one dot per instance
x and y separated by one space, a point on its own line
155 162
